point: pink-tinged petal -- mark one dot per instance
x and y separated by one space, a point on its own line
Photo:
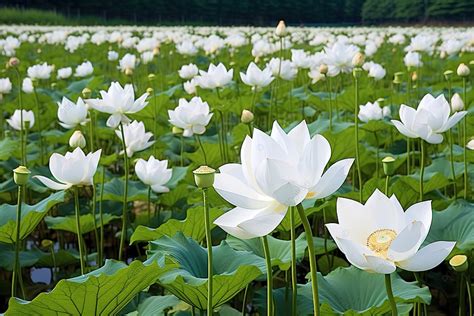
428 257
332 179
407 242
52 184
380 265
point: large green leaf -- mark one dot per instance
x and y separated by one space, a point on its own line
233 270
192 226
31 216
351 291
104 291
68 223
455 223
156 305
7 148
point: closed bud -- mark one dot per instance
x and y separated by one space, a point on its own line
176 130
151 77
13 62
398 77
156 51
459 263
280 30
357 72
358 59
388 165
149 91
77 140
21 175
204 177
246 117
53 85
128 71
414 76
463 70
46 243
323 69
457 103
442 55
448 74
86 93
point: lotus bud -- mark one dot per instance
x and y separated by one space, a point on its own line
471 62
21 175
388 165
177 130
46 243
397 77
280 30
156 51
323 69
204 177
443 55
414 76
459 263
149 91
53 85
358 59
448 74
77 140
470 144
246 117
463 70
13 62
128 71
86 93
357 72
457 103
151 77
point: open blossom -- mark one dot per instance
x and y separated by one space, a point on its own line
129 61
192 116
380 236
71 114
429 120
64 73
188 71
377 72
112 55
118 101
372 112
40 71
83 70
287 71
147 57
154 173
255 77
5 86
15 120
190 86
27 85
136 139
74 168
215 77
316 75
186 48
339 58
413 59
276 172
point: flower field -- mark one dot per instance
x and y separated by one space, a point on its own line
285 171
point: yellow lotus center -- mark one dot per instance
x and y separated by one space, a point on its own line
380 240
310 195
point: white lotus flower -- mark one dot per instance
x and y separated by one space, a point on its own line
188 71
413 59
5 86
136 139
215 77
429 120
287 71
192 116
147 57
71 114
255 77
118 101
129 61
373 112
379 236
276 172
186 48
83 70
112 55
64 73
15 120
40 71
339 58
154 173
74 168
27 85
190 86
457 103
377 72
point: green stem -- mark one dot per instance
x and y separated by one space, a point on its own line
39 123
181 156
202 149
422 168
96 230
244 302
123 235
20 105
356 124
91 131
101 215
268 261
207 224
294 281
387 179
149 205
17 265
78 227
53 257
469 295
408 156
388 288
464 140
312 258
377 161
451 156
328 83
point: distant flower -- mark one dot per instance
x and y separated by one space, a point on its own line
71 114
373 112
40 71
380 242
154 173
136 138
15 120
83 70
27 85
147 57
71 169
339 58
413 59
118 101
287 71
215 77
377 72
5 85
112 55
188 71
316 76
186 48
457 103
192 116
64 73
128 61
255 77
190 86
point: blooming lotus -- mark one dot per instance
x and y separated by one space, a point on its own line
215 77
15 120
287 71
64 73
136 138
412 59
377 72
192 116
379 236
257 78
118 101
339 58
27 85
429 120
112 55
372 112
74 168
128 61
154 173
71 114
275 172
5 86
83 70
40 71
188 71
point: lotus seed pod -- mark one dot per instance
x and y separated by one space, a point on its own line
459 263
21 175
204 177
